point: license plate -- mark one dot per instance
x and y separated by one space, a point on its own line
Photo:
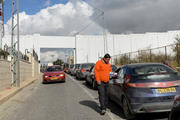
166 90
54 78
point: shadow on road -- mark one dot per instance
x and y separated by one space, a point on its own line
92 104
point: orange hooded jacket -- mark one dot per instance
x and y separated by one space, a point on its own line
102 71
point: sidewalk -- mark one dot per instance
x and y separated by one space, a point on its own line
8 93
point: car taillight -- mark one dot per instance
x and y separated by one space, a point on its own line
155 84
83 70
177 98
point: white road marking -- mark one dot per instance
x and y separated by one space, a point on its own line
108 113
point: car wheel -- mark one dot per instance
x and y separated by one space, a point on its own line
77 77
126 110
94 85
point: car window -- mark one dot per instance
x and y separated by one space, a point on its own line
155 73
113 67
86 66
91 69
117 70
54 68
71 66
121 73
152 70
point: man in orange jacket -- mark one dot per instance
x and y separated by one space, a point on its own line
102 70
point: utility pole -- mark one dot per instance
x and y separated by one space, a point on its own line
1 22
75 50
18 59
15 66
104 35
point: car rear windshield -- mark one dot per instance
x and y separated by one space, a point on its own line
86 66
154 72
52 69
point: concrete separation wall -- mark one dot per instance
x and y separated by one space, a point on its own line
28 70
5 74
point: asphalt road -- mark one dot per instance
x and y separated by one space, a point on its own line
72 100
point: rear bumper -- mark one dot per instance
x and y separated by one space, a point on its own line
151 107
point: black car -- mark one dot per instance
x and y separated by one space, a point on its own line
144 88
175 111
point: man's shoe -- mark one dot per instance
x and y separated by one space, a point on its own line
103 112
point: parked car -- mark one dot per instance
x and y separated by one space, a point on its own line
90 79
175 111
54 74
83 69
74 69
144 88
70 68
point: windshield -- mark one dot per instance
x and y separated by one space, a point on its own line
54 68
154 72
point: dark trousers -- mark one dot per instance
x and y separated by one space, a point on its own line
103 95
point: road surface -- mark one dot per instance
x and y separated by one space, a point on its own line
72 100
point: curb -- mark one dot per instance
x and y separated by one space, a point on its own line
7 94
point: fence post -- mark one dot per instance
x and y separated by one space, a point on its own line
165 53
129 58
177 54
150 55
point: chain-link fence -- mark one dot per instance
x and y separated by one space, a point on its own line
169 53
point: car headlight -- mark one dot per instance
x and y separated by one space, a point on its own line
46 76
61 75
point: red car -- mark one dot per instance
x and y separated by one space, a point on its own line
54 74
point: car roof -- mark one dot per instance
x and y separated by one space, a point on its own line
55 66
87 63
142 64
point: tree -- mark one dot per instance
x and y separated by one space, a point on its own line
58 62
176 49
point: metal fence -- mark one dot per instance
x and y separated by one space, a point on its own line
169 53
7 51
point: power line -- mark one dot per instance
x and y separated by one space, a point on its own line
87 25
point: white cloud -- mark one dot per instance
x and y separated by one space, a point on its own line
58 19
51 56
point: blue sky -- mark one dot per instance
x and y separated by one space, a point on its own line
29 6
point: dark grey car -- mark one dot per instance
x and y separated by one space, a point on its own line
144 88
83 69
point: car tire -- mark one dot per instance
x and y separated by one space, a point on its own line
77 78
127 113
